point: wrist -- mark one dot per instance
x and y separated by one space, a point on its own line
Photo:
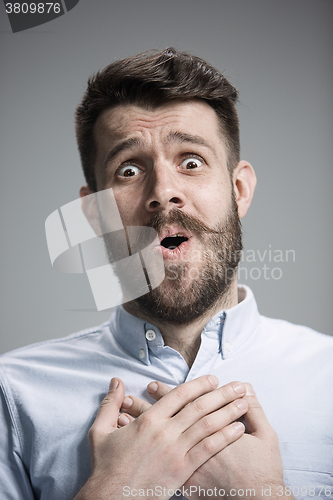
97 489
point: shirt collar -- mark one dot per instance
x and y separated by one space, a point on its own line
132 332
239 321
232 326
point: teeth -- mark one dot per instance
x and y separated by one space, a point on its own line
175 235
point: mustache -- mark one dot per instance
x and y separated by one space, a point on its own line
188 222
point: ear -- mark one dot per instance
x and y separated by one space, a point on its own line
90 209
244 183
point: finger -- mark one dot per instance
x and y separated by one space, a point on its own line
158 389
180 396
134 406
125 419
107 417
208 403
208 447
214 422
255 418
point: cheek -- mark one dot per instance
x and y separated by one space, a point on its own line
130 207
213 203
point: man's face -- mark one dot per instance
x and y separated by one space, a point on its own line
168 169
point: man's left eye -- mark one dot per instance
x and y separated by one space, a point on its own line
191 163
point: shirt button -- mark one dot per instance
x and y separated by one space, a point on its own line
228 346
150 335
142 353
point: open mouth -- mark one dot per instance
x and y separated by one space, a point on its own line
172 242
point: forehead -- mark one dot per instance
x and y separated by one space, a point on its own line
192 117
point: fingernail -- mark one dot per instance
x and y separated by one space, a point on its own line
123 420
152 387
213 380
241 404
239 387
238 426
249 390
127 403
114 384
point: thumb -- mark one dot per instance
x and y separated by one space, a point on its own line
107 417
255 419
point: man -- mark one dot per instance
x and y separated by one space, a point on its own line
161 131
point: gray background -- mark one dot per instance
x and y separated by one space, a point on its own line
279 56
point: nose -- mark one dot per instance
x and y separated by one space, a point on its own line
165 191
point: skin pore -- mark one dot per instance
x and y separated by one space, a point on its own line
168 161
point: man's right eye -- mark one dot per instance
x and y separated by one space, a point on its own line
128 171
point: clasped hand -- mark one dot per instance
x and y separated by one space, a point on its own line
167 443
247 465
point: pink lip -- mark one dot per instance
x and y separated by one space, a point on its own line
174 254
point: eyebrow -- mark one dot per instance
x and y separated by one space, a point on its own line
192 139
120 147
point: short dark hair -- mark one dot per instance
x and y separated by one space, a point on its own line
151 79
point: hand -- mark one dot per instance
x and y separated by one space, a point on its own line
166 444
252 462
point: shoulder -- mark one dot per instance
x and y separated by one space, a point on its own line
277 334
70 347
294 331
296 343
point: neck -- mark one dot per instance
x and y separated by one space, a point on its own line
186 338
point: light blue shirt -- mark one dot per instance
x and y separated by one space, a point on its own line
51 393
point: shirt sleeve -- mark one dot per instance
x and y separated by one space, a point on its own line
14 480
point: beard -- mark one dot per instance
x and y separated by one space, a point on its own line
192 288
